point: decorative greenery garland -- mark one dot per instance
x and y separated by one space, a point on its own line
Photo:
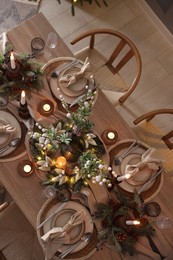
29 70
75 141
115 231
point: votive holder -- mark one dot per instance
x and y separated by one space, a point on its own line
46 107
109 136
25 168
24 111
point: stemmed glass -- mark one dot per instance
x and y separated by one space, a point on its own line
51 43
49 192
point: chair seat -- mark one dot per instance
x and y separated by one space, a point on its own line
18 239
95 58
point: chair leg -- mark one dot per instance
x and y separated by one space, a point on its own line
166 138
2 194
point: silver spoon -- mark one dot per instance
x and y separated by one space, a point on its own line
118 160
56 73
14 143
85 238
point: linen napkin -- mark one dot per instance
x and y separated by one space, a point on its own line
60 234
3 42
69 79
56 232
7 129
146 161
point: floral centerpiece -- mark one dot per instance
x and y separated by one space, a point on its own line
114 215
69 152
23 76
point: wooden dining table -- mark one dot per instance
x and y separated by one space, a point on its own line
27 192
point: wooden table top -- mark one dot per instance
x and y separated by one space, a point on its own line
27 192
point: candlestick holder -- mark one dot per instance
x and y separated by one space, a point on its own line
13 74
109 136
24 111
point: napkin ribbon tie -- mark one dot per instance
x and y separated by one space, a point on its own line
146 161
69 79
59 232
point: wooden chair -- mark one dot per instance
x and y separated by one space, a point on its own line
18 239
118 71
150 115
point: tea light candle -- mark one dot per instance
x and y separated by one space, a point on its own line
12 61
46 107
123 177
23 100
27 168
61 162
132 222
111 135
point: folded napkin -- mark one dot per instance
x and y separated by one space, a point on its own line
69 79
3 42
146 161
58 232
7 129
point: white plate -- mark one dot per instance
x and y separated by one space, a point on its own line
69 207
10 119
126 185
142 176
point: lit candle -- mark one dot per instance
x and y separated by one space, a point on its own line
22 100
46 107
111 135
61 162
132 222
12 61
123 177
27 168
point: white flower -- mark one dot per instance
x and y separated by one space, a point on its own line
98 178
88 138
68 115
45 165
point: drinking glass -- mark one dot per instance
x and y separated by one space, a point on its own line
164 222
37 45
51 43
49 192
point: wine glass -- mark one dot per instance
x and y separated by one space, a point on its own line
164 222
51 43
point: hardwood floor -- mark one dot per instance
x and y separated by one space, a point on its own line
155 87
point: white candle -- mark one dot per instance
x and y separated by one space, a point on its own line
132 222
111 135
22 100
46 107
123 177
27 168
12 61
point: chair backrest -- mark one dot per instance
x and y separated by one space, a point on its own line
123 51
150 115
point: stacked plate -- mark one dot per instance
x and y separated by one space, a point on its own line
58 88
129 186
59 245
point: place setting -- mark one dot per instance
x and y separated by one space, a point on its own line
69 78
137 169
66 229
